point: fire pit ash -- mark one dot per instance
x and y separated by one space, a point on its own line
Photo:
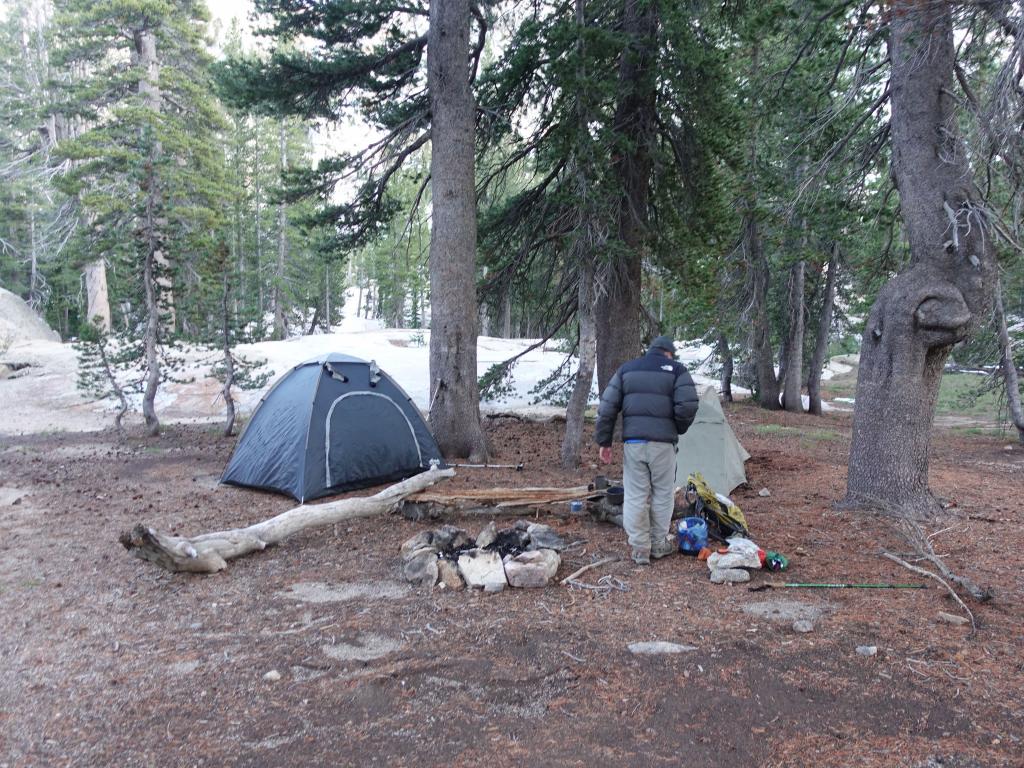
525 555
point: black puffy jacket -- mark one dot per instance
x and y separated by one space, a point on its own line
656 397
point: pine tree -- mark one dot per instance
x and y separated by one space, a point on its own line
371 62
148 169
108 366
228 367
36 220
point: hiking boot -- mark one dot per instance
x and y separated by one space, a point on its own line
641 556
663 547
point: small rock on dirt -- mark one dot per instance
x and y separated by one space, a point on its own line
532 569
789 611
321 592
803 626
867 650
367 648
10 496
272 676
729 576
764 493
952 618
659 646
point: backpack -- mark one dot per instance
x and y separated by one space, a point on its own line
723 517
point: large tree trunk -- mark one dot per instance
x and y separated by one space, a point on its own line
791 394
485 320
149 90
1009 367
155 269
762 357
151 338
824 328
327 298
229 360
257 196
454 397
506 313
98 299
949 285
314 321
576 411
727 365
34 299
210 552
761 337
618 303
617 317
280 321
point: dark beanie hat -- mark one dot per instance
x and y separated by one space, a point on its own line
665 343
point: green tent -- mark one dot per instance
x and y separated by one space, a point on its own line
711 448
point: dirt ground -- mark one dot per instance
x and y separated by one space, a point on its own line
108 660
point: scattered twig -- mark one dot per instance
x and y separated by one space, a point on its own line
939 579
614 583
605 585
984 519
577 659
938 533
922 544
913 533
586 568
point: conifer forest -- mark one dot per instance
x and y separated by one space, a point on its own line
220 221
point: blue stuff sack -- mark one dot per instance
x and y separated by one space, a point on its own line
693 535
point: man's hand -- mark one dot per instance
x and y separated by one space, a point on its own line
605 454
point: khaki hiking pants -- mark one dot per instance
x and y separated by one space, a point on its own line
649 471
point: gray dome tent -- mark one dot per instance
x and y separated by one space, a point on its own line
331 424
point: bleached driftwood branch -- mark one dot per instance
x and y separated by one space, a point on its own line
576 574
209 552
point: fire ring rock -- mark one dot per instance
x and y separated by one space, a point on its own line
450 538
421 568
535 568
487 536
481 568
422 540
544 537
448 574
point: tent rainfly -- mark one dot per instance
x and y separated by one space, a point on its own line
332 424
711 448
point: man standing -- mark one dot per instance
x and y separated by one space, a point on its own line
658 403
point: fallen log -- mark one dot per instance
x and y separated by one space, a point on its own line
503 497
209 552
